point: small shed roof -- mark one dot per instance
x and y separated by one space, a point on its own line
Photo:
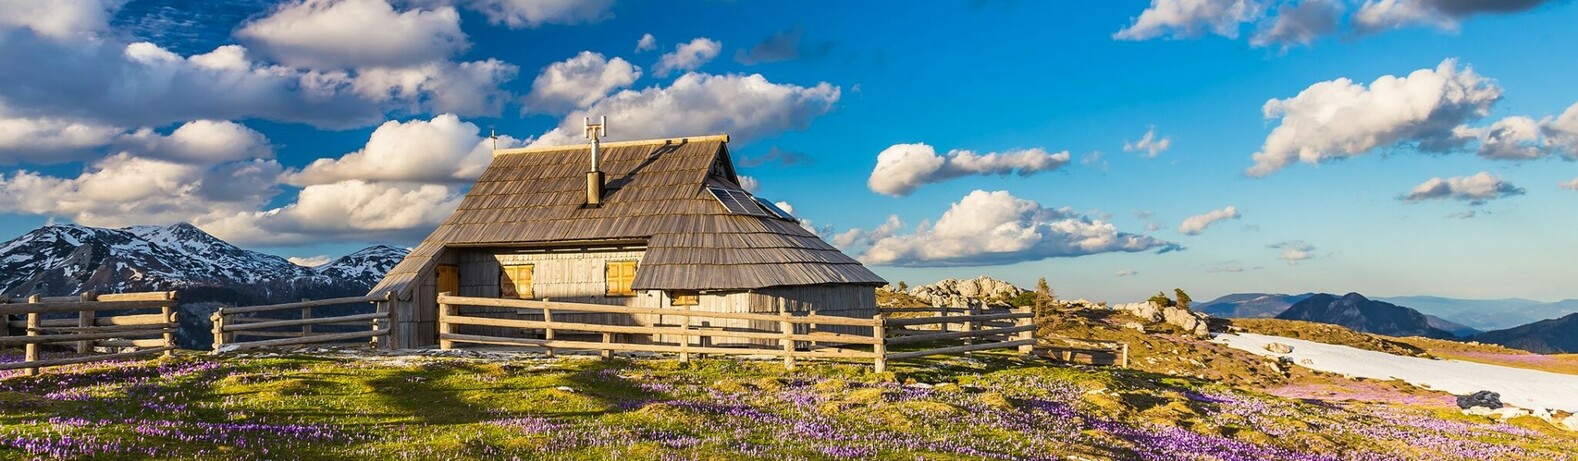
657 193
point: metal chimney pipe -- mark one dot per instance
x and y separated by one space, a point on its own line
594 178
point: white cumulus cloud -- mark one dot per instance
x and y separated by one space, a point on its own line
578 82
1293 251
747 107
646 43
59 19
309 261
1191 18
988 228
442 150
1196 224
902 168
126 189
1149 144
339 34
346 210
687 56
1570 185
1341 118
1475 189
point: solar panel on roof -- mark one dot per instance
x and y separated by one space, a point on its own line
738 202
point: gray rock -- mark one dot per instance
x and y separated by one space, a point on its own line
1136 326
1279 348
1485 399
979 291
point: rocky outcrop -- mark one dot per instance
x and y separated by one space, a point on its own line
1193 322
1279 348
979 291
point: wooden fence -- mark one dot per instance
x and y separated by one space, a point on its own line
145 334
693 339
292 324
1086 351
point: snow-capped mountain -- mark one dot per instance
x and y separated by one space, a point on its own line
69 259
366 266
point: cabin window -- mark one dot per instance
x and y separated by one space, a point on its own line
620 275
515 281
684 298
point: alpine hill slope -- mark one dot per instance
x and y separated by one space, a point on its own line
1554 336
1270 305
1364 315
1487 314
1250 305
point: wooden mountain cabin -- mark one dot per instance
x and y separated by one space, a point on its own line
660 223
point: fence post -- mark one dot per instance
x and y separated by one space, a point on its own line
384 323
547 332
31 354
786 328
445 310
1030 334
219 328
5 319
608 338
306 313
171 323
1125 357
684 338
969 325
85 319
879 331
944 310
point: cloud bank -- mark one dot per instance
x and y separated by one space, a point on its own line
902 168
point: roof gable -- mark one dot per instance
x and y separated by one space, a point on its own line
655 191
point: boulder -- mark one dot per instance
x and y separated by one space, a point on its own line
1192 322
1136 326
1485 399
1570 423
1279 348
1541 413
979 291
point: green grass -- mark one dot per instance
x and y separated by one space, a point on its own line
989 405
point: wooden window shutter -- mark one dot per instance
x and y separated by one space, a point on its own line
515 281
619 276
684 298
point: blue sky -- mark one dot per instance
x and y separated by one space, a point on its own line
1031 79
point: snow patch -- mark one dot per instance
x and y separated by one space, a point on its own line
1517 386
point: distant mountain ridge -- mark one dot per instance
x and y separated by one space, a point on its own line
1250 305
1361 314
1553 336
69 259
1487 314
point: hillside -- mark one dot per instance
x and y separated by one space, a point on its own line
1487 314
1250 305
1361 314
1546 336
989 406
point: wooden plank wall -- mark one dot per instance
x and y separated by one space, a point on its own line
568 277
579 278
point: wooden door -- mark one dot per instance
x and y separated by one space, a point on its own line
449 279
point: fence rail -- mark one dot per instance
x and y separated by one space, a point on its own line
233 322
147 334
1005 329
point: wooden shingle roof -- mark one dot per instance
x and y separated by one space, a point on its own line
656 193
